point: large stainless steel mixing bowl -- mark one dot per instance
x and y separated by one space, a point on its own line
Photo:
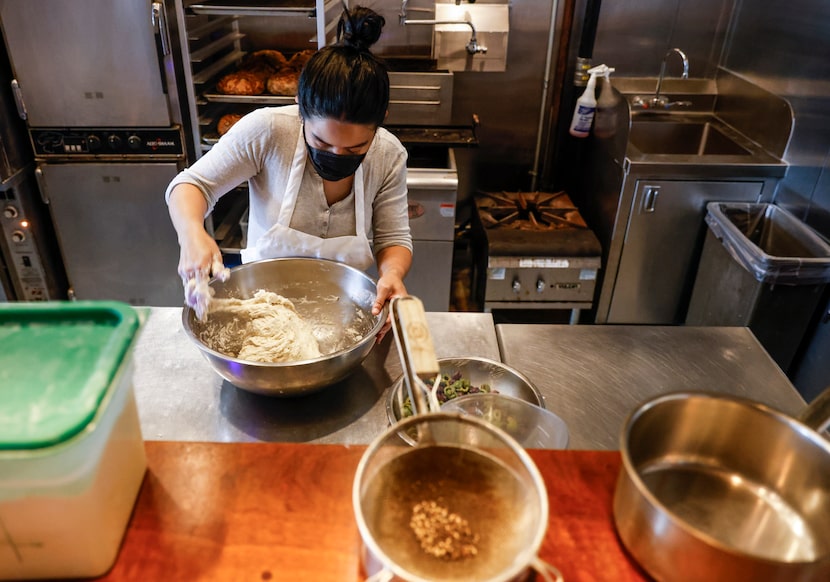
334 298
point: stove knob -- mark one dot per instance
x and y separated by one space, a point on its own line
114 141
540 285
516 286
10 212
93 143
18 236
134 142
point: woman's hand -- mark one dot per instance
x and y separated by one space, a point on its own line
389 286
200 257
393 264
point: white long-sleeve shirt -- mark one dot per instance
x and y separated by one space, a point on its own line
260 147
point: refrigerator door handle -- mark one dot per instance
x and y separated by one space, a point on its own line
41 184
18 100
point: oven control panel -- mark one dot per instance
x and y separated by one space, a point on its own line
101 143
541 279
21 253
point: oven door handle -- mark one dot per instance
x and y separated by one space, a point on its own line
18 100
41 184
159 21
158 18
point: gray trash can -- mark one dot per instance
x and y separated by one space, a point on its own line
761 268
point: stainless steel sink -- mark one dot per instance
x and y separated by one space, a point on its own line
685 138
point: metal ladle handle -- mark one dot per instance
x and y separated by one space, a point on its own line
415 347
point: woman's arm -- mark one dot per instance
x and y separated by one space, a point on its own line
192 194
199 251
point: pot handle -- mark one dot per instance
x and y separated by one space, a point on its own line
817 414
383 575
548 572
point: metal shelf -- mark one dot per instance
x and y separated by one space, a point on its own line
198 32
248 8
264 99
211 49
208 73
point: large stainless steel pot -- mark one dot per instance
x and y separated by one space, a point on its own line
473 469
334 298
720 488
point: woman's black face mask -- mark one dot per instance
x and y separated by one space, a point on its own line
333 167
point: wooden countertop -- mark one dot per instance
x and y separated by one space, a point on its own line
277 511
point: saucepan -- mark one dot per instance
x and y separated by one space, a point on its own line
715 487
460 500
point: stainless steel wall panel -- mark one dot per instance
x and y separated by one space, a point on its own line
508 103
785 52
634 35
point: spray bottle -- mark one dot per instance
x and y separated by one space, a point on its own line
605 124
586 105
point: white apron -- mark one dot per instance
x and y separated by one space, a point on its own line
282 241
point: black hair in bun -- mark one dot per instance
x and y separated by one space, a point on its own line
359 28
345 81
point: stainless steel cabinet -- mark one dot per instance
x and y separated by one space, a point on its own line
662 244
114 231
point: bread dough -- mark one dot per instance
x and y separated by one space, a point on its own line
264 328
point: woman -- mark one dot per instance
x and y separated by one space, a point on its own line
325 180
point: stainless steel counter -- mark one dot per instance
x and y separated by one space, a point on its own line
593 376
181 398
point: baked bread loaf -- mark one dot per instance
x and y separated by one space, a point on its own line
270 56
283 83
264 62
261 69
226 122
298 60
241 83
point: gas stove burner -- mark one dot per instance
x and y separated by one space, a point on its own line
535 211
532 250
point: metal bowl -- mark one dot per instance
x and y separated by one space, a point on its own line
334 298
532 426
502 378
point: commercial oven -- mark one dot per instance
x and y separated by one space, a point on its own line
220 33
95 81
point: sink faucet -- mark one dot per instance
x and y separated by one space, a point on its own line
472 45
658 101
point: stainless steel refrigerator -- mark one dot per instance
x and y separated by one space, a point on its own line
95 82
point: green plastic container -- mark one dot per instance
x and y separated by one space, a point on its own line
71 452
